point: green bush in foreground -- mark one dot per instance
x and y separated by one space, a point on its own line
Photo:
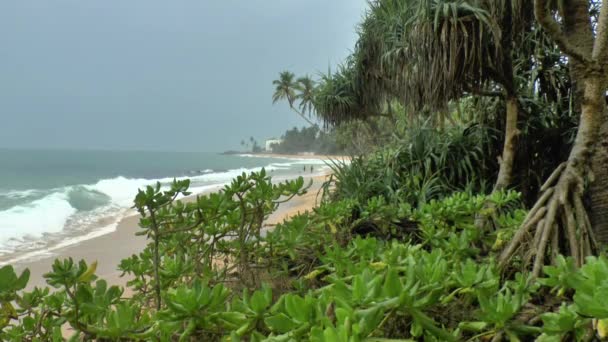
351 270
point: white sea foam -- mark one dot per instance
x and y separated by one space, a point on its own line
46 215
121 190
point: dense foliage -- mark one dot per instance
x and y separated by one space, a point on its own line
448 94
308 139
530 73
373 267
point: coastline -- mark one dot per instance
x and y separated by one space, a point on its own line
297 156
109 249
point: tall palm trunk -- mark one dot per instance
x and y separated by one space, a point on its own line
507 159
301 114
505 172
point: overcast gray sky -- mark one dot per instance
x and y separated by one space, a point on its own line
159 74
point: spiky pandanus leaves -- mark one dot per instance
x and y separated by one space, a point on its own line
336 100
428 52
442 59
424 53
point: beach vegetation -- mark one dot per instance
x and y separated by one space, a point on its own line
475 212
536 67
383 267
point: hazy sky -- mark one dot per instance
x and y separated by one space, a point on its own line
159 74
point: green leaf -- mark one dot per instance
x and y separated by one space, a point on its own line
281 323
22 281
297 308
89 273
234 319
473 326
259 302
7 278
560 322
392 284
330 335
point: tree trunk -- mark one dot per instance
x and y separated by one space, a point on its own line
559 213
592 117
505 172
598 189
582 37
302 115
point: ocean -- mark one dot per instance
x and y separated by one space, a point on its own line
53 198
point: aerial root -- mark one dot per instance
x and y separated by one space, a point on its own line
535 215
554 175
560 221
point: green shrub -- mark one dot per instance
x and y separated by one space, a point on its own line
315 277
420 165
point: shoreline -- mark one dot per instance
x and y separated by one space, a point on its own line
297 156
49 243
108 249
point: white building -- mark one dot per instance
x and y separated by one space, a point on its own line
271 142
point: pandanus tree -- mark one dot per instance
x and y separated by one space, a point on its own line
432 52
598 188
558 222
427 53
290 90
336 101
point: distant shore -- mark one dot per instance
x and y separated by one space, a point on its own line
109 249
297 156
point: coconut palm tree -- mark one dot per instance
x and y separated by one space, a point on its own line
306 94
285 89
